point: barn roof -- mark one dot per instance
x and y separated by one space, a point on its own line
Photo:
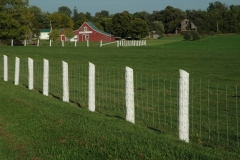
90 24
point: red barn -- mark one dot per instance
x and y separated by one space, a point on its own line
88 31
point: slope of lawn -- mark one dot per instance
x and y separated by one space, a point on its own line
33 126
213 64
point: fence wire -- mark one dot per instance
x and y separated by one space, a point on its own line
213 106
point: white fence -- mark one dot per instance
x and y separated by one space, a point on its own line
195 111
119 43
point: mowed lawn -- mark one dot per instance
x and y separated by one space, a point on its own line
37 127
214 58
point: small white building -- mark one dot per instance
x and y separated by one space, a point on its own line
44 34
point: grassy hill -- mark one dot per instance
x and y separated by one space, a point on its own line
33 126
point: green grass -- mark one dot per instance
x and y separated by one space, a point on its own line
213 64
33 126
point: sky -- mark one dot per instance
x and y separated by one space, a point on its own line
118 6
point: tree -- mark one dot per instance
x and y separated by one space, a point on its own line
65 10
54 34
200 19
39 20
107 25
88 16
102 14
139 28
121 24
69 33
170 17
217 12
158 27
60 20
143 15
81 19
14 20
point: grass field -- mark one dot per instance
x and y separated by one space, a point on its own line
214 75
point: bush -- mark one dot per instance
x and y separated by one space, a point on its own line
219 32
187 36
196 35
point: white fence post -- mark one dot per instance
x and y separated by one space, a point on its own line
38 43
118 43
30 74
101 43
45 76
184 106
5 66
130 115
62 43
50 43
25 43
75 43
91 88
17 71
65 82
12 42
87 43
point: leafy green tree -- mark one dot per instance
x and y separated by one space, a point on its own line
78 18
65 10
107 25
200 19
143 15
60 20
88 16
102 14
139 28
217 12
233 19
170 17
54 34
69 33
158 27
15 19
40 19
121 24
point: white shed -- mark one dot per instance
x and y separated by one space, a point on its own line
44 34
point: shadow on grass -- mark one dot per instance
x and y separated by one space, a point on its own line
108 115
155 130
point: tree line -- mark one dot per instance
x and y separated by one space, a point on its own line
19 21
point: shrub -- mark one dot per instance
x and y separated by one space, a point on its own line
187 36
219 32
196 35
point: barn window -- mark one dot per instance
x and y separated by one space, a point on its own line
85 28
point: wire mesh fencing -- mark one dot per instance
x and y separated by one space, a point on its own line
213 106
214 114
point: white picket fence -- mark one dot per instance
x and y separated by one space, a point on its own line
126 43
120 43
92 95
